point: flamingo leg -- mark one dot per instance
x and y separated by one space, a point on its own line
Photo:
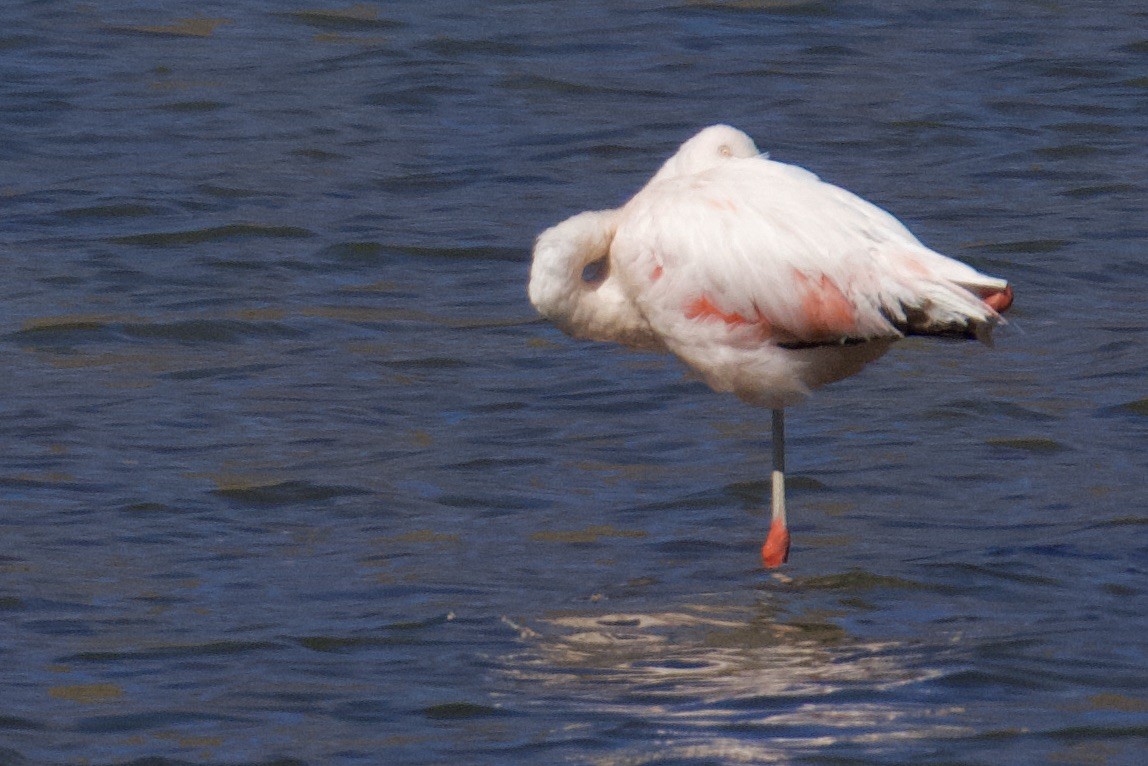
775 552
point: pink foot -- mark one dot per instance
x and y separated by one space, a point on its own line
775 552
1000 301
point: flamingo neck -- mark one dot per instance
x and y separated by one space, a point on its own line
594 307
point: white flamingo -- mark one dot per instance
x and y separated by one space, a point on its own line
764 280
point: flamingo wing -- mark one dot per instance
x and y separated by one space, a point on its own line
756 250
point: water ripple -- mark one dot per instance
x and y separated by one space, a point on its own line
292 473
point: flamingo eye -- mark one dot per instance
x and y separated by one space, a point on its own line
725 151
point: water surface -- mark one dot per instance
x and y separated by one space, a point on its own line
292 474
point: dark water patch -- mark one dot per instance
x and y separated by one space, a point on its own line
224 372
62 280
490 324
695 547
452 47
989 410
124 210
11 604
50 481
342 644
601 404
250 265
229 192
1101 129
367 253
213 234
1011 659
428 364
1121 591
486 464
285 493
974 575
546 84
920 124
475 252
566 88
1091 733
689 502
1066 151
493 504
834 50
192 107
432 621
176 651
16 723
1068 70
319 155
1025 247
66 330
795 8
152 721
161 601
423 536
195 27
1125 521
453 711
370 711
209 330
10 42
613 151
1100 190
1034 444
985 680
1028 552
192 740
424 183
586 536
495 408
359 16
415 99
372 43
61 627
1138 407
858 581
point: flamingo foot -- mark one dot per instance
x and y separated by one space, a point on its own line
999 301
775 552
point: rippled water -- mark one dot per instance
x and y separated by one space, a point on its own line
291 474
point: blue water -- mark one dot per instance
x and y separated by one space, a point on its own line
292 474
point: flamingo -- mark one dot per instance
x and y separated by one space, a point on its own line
763 279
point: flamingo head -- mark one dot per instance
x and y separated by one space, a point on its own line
708 149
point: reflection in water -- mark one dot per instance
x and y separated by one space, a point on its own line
729 683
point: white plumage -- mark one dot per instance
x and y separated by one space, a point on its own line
765 280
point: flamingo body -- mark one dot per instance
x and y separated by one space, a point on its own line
763 279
